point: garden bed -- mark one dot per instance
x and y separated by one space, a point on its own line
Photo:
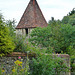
8 61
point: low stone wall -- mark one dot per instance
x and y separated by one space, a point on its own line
65 60
65 56
8 61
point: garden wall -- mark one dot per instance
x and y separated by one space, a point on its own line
8 61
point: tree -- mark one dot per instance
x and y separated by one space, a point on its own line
6 44
11 25
40 37
72 12
57 35
70 18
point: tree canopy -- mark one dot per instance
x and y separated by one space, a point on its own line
59 35
70 18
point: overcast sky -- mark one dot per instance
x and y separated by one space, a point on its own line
50 8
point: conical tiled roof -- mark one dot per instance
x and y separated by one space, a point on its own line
32 17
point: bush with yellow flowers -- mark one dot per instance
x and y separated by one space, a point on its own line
17 62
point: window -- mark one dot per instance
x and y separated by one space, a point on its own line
26 31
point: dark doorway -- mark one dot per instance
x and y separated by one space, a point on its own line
26 30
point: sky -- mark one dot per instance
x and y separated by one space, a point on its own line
50 8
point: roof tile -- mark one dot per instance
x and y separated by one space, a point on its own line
32 17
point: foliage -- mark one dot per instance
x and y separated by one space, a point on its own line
27 66
6 44
17 69
40 37
65 20
67 37
61 65
70 19
72 12
20 44
11 25
23 45
43 66
72 62
59 35
47 64
55 36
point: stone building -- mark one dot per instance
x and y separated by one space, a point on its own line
31 18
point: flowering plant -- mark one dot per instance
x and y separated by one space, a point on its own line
18 68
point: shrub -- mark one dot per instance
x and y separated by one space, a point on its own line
6 44
72 63
59 37
11 25
20 44
47 64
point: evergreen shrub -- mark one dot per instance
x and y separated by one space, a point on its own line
6 44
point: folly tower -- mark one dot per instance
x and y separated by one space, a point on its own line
31 18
